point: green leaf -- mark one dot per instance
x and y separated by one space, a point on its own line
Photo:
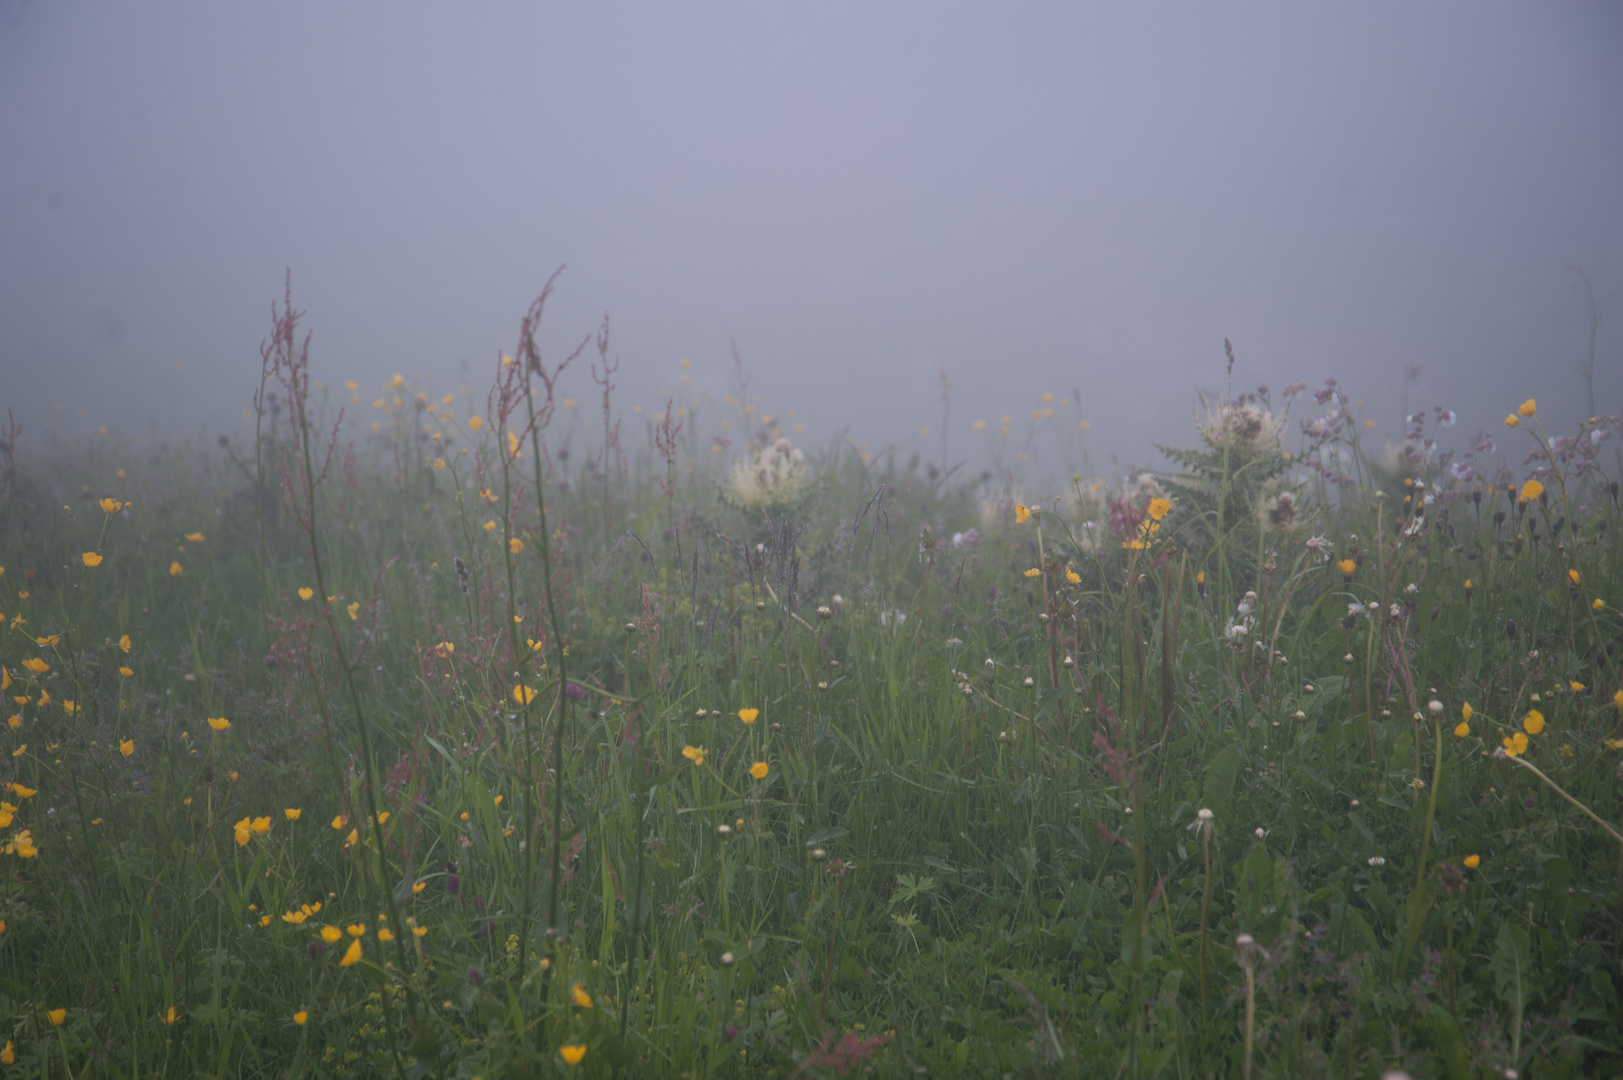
1217 795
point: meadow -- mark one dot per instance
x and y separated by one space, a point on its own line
454 735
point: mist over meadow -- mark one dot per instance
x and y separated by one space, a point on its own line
1076 200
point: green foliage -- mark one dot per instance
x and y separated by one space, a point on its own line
970 854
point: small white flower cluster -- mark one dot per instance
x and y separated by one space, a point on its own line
779 476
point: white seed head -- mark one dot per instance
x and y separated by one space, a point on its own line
1434 707
1028 683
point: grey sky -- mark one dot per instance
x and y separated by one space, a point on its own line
1034 197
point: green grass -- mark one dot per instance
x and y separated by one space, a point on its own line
975 851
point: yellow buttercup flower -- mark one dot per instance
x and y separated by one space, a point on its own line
1617 699
352 955
1515 745
353 838
170 1016
572 1053
1531 490
195 537
305 594
1533 723
126 747
515 545
56 1016
1022 513
419 930
385 934
354 611
126 672
331 934
1072 576
339 822
124 643
475 423
748 715
1462 729
91 559
1033 572
356 929
1465 712
1575 686
292 813
36 665
579 996
219 723
1573 576
111 506
759 770
1512 420
1159 508
418 887
1347 567
523 694
301 1017
8 1056
1473 861
694 754
1598 604
175 569
294 917
1528 407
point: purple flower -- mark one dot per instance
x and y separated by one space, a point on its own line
315 950
574 691
453 884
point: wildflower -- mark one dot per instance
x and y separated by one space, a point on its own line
219 723
126 672
301 1017
1434 707
36 665
1617 699
56 1016
1462 729
748 715
353 838
579 996
111 506
1347 568
354 611
759 770
1377 860
124 643
126 747
331 934
515 545
1528 407
295 917
523 694
1072 576
572 1053
245 831
23 843
1021 513
352 955
1473 861
1598 604
1033 572
292 813
1572 576
91 559
340 821
1534 722
1515 745
385 934
356 929
8 1056
383 817
694 754
260 825
444 649
1158 509
1531 490
1575 686
419 930
305 594
1512 420
175 569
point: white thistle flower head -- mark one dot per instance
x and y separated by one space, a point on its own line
779 476
1247 431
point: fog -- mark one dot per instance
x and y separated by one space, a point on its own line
1036 198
